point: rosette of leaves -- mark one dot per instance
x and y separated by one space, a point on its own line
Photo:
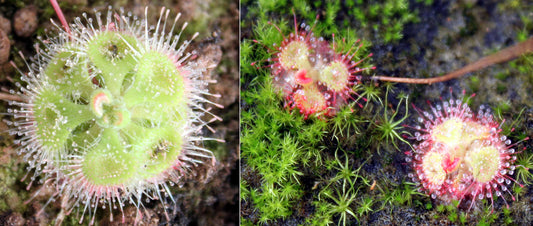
111 112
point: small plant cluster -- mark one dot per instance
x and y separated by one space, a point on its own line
450 212
462 154
313 76
386 18
275 144
340 194
111 113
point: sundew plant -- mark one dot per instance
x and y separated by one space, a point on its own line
315 78
112 112
462 154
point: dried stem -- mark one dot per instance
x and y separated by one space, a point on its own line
503 55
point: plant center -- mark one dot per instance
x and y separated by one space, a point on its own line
108 111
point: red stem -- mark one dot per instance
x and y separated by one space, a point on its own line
60 16
503 55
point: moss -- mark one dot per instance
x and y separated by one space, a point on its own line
523 171
386 18
274 144
388 127
339 196
12 194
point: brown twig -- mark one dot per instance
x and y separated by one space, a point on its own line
7 96
503 55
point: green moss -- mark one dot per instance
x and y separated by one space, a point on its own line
426 2
386 18
346 123
450 212
365 206
523 171
339 197
507 214
12 194
388 127
274 148
398 194
488 216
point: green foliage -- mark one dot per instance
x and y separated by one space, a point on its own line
388 129
518 190
399 194
265 10
246 222
244 191
342 201
451 212
385 17
523 64
474 83
346 174
275 143
507 214
426 2
452 216
365 206
346 122
463 217
97 123
274 200
523 34
323 214
509 129
502 107
488 216
339 196
441 208
371 93
524 165
246 57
